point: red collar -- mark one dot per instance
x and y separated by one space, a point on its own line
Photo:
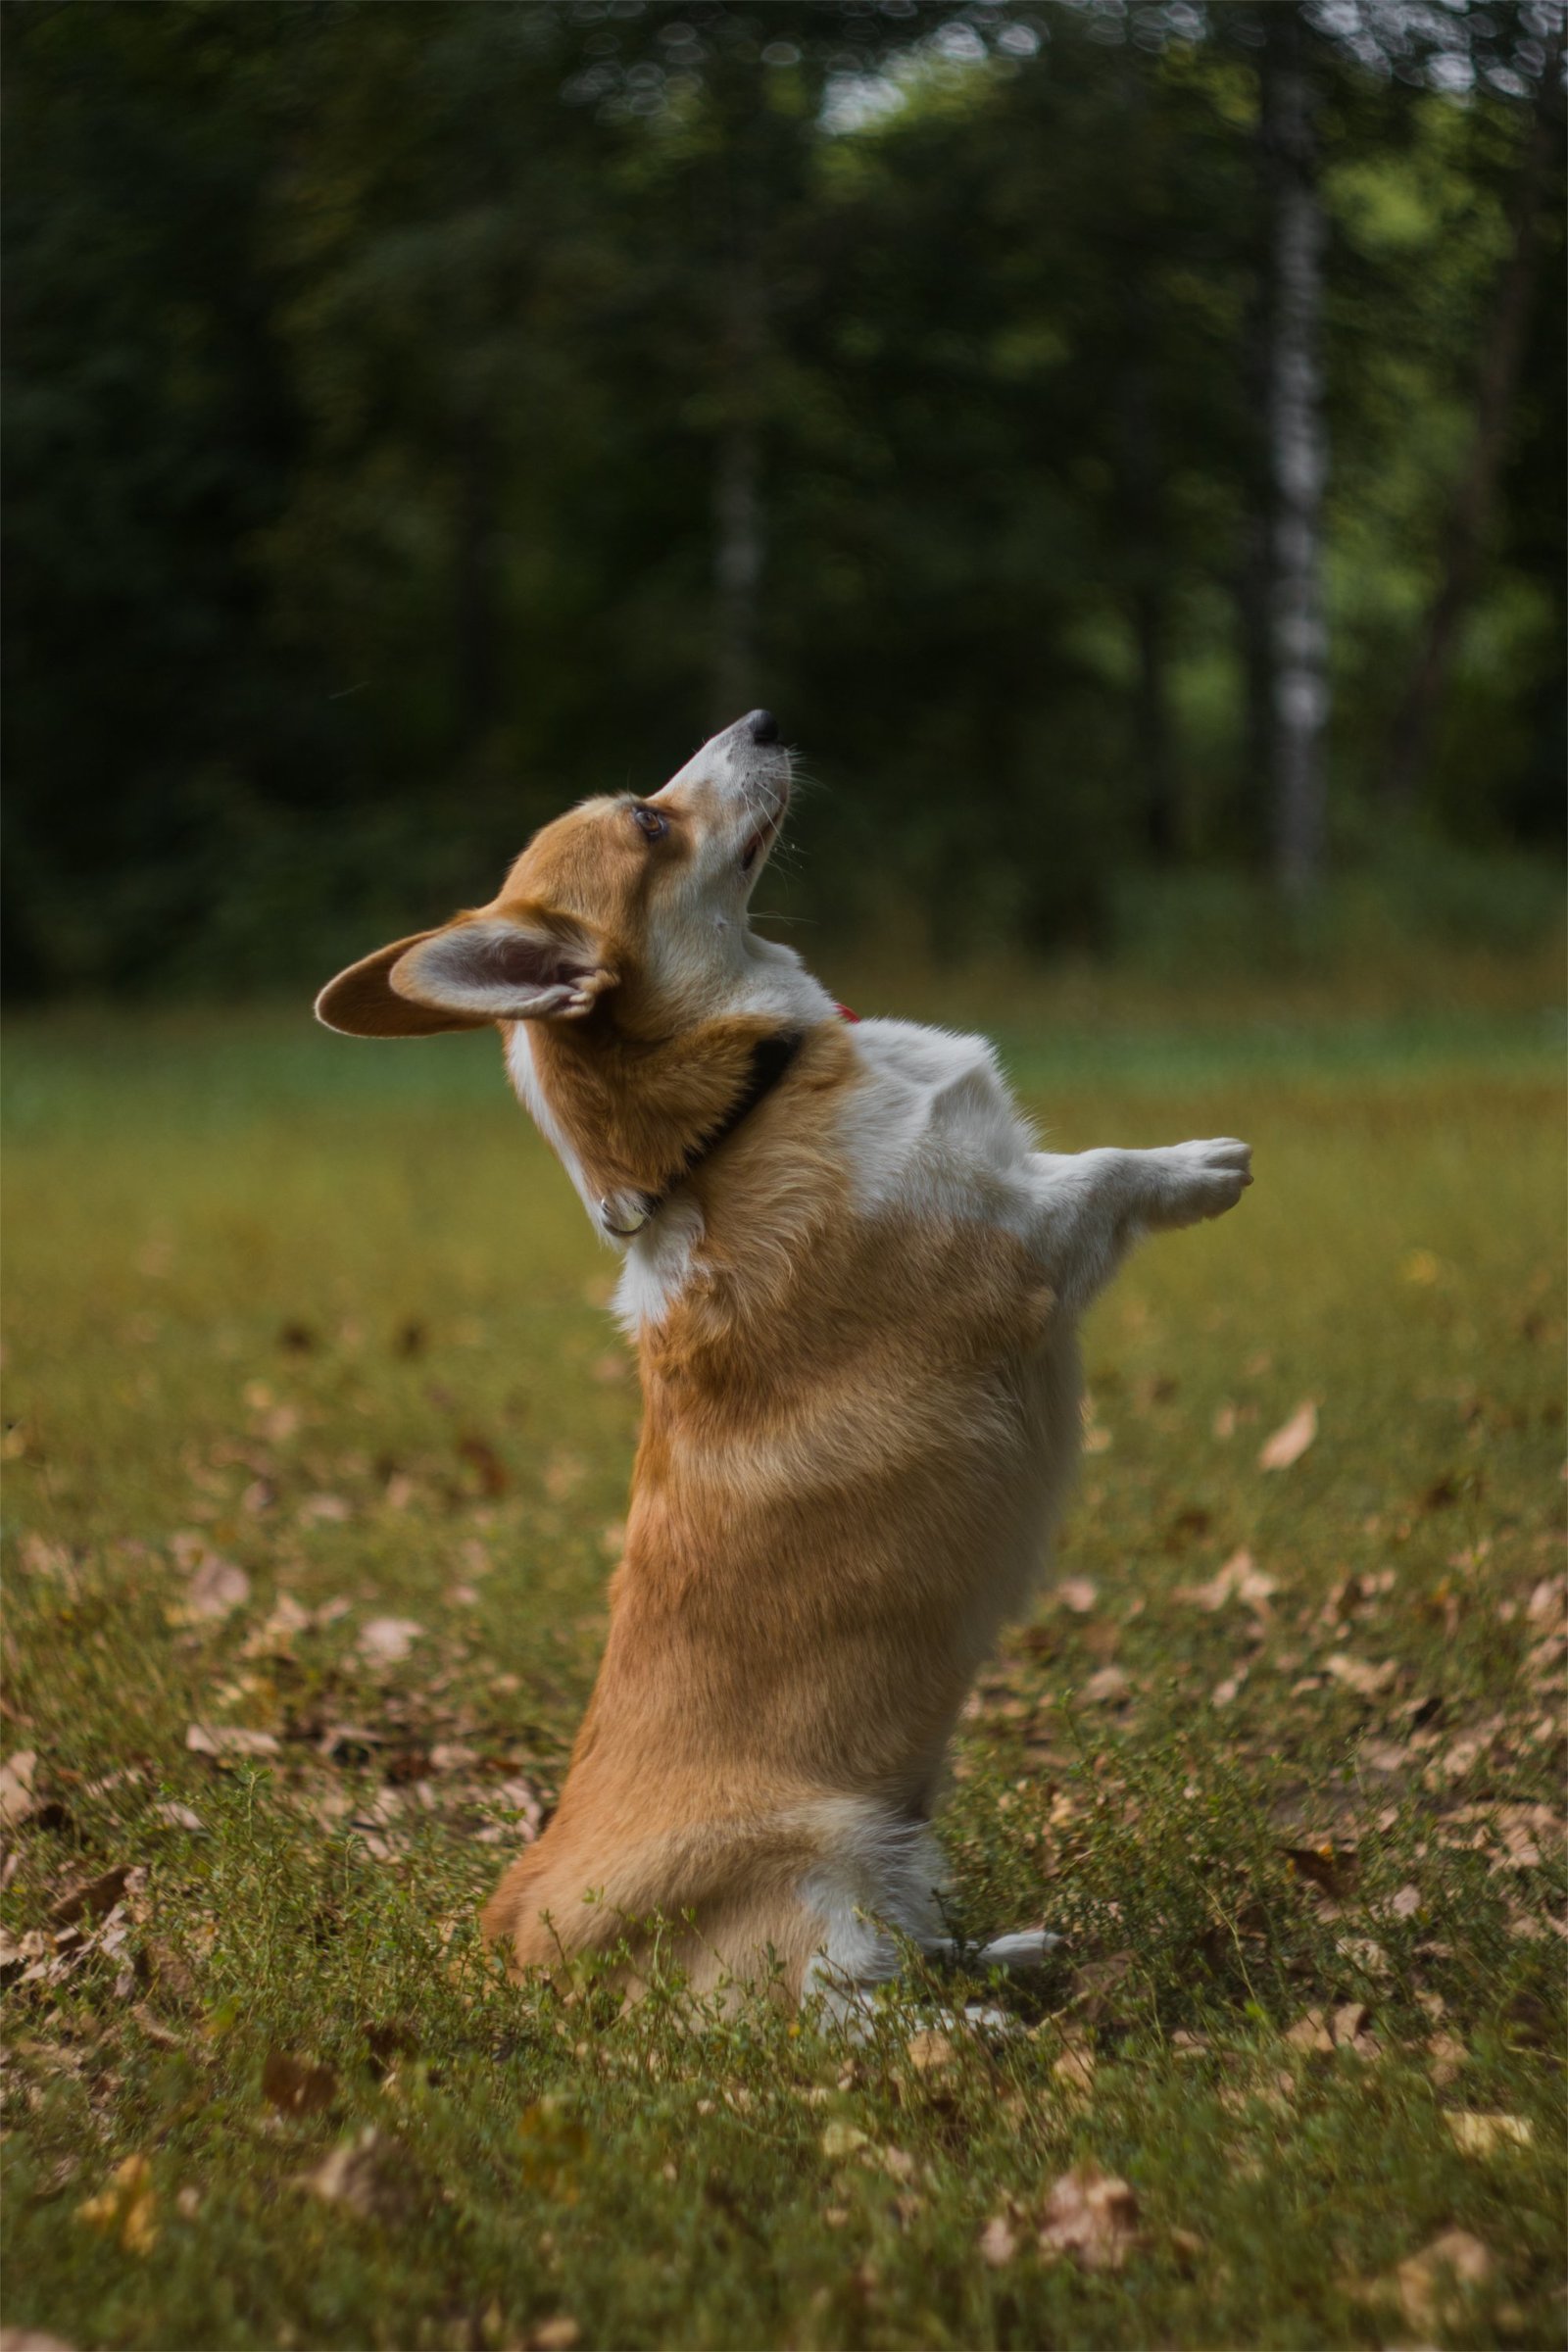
845 1014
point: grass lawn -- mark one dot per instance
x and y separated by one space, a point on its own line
316 1442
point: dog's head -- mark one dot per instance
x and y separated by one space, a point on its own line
634 907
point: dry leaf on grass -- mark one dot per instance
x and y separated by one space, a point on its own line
999 2242
215 1591
557 2335
929 2053
162 2036
1485 2135
1078 1594
1101 1987
30 2339
93 1898
219 1739
1091 2216
1240 1578
1292 1439
369 2174
1448 2055
383 1640
1074 2072
17 1801
297 2085
1359 1675
329 1507
125 2208
1104 1687
179 1817
276 1639
1429 2285
841 2140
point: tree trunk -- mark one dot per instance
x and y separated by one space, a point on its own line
1297 455
1255 570
1470 512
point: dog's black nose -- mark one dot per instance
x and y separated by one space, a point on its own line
761 726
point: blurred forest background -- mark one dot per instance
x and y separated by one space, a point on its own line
1123 442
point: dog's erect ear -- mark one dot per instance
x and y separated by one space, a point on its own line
478 969
363 1002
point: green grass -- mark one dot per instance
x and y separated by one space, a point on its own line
329 1313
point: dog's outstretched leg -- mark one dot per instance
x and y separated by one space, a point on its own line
1093 1206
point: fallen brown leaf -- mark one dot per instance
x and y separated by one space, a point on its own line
30 2339
999 2242
1096 1984
1485 2135
162 2036
328 1507
177 1817
93 1898
383 1640
1074 2071
1291 1439
276 1639
229 1739
1333 1869
1430 2284
17 1799
1091 2216
928 2053
297 2085
553 2336
1358 1675
367 2175
1078 1594
125 2208
483 1458
1240 1578
215 1591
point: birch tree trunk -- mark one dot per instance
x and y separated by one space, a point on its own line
1475 493
1298 458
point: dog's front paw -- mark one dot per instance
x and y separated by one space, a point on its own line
1200 1180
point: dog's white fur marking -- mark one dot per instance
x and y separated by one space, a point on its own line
933 1131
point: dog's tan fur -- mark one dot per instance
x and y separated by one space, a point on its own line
857 1426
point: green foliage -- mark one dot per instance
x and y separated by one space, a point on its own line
332 1314
373 374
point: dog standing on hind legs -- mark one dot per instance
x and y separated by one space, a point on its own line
855 1289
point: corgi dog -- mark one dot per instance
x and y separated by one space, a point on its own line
854 1288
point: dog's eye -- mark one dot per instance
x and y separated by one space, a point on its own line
649 824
